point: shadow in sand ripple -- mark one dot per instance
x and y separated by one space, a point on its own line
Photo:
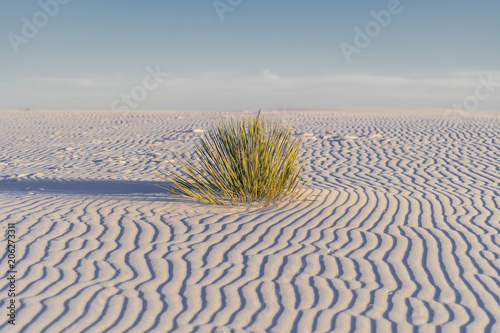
101 187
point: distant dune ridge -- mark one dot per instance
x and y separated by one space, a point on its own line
404 231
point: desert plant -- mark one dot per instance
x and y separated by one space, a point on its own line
240 161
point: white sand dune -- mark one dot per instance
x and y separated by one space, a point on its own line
403 233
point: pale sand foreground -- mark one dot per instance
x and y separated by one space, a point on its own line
405 232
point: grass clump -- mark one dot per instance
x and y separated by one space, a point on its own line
240 161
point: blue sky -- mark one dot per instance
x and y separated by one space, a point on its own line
89 54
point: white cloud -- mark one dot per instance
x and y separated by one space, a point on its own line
266 74
62 81
266 89
233 90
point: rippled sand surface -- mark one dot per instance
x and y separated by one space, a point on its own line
402 230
